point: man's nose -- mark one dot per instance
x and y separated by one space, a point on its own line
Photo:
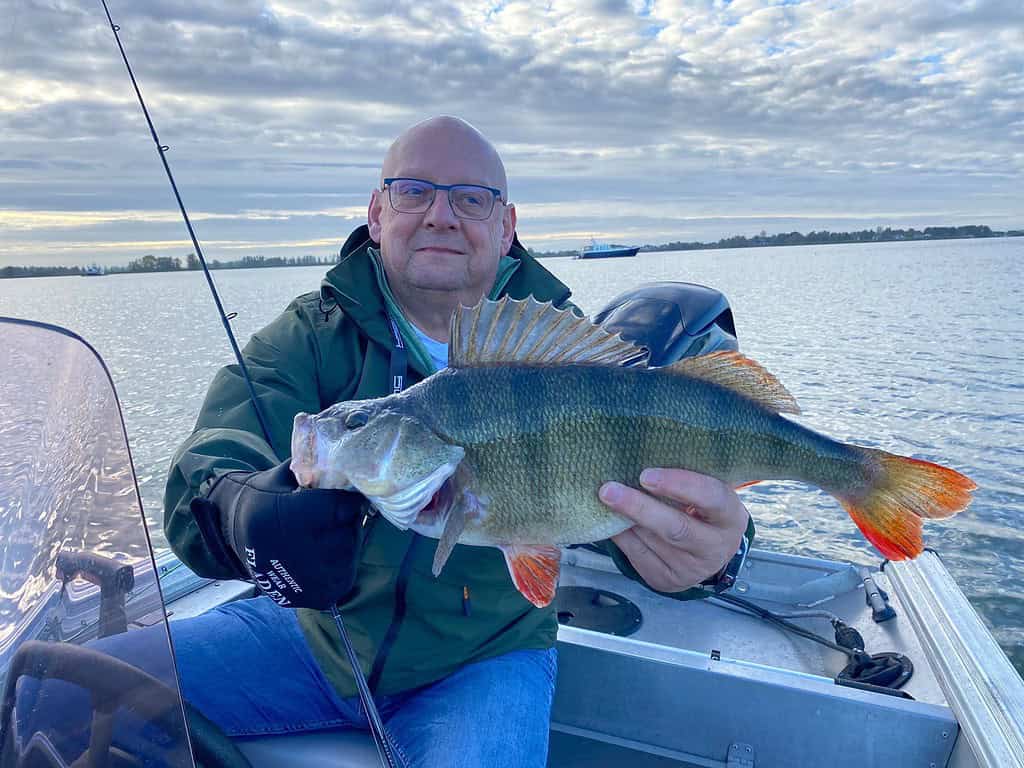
440 213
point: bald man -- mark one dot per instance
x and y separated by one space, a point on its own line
462 666
436 259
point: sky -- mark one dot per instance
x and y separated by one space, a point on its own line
632 121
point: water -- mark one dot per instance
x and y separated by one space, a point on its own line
912 347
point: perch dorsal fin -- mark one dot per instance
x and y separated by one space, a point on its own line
740 374
527 331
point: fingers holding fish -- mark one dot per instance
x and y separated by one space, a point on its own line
674 547
654 569
684 508
706 497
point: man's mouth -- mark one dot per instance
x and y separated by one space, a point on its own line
439 249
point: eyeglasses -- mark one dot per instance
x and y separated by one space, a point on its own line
468 201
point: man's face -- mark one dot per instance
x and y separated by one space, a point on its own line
436 250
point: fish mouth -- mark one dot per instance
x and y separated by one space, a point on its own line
438 505
304 444
403 507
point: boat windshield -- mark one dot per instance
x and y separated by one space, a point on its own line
86 666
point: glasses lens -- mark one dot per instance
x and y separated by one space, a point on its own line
472 202
410 195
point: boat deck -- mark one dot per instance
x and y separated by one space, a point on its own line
703 685
699 684
704 626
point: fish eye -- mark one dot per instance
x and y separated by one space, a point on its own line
356 419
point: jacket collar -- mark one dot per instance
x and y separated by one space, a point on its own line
353 284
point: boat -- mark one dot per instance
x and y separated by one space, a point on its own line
598 250
643 680
93 270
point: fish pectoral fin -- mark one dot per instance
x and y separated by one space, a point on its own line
459 504
449 538
534 570
526 331
742 375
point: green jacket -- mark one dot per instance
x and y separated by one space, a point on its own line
335 345
326 347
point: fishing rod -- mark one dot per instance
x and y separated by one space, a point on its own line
382 739
162 150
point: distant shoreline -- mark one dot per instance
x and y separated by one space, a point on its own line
879 235
151 263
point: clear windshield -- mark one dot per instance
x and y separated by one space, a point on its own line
86 666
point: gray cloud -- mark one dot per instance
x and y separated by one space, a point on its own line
704 111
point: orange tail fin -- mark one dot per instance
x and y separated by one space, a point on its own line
904 491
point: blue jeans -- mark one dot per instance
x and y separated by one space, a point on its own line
247 667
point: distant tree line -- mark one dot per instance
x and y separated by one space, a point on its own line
877 235
824 237
150 263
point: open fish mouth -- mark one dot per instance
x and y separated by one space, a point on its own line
304 462
404 506
431 519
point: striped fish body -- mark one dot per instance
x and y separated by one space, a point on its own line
540 440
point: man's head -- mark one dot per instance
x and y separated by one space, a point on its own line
437 250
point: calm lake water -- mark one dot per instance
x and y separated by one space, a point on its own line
911 347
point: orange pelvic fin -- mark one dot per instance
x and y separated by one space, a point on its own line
534 570
904 491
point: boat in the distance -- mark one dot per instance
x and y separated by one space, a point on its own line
604 251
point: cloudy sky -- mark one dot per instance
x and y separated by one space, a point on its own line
637 121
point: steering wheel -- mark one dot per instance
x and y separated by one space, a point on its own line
114 684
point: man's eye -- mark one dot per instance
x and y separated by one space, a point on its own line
471 199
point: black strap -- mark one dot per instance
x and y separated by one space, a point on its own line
401 585
399 369
399 359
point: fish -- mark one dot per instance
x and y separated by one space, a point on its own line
538 407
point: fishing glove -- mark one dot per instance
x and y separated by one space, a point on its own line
300 547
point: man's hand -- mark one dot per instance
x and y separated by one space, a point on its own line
298 546
688 526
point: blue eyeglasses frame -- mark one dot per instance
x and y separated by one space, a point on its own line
386 184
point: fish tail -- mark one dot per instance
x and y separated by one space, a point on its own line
898 494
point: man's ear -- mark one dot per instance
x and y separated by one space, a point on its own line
508 224
373 214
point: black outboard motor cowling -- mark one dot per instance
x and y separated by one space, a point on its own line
671 320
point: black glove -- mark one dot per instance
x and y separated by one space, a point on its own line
300 547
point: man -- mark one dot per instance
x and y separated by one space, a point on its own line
457 681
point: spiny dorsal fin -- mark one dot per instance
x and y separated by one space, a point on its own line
528 331
740 374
